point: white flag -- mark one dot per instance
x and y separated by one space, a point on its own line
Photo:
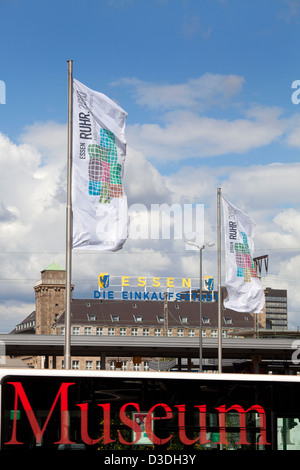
244 289
99 203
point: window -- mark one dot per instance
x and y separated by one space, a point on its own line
115 318
138 318
180 332
75 365
183 320
111 332
88 330
75 330
214 333
89 365
99 330
160 319
191 333
146 365
62 331
228 321
205 320
169 332
134 331
122 331
98 365
146 332
92 317
112 365
157 332
136 367
124 365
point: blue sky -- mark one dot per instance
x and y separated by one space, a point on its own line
207 88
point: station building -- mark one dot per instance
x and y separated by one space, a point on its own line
136 318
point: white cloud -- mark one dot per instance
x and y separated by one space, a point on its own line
199 93
191 122
11 314
28 194
187 135
143 183
262 187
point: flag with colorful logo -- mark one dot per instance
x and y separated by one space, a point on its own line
99 203
244 288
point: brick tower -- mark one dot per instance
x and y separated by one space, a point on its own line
49 298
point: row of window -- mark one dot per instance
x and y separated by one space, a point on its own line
276 299
278 321
137 318
160 319
276 310
278 316
116 318
23 326
100 331
276 304
113 365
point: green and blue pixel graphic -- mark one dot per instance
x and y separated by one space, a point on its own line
244 261
104 171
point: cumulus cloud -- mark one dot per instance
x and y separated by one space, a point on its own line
11 313
142 181
191 122
264 186
28 189
31 224
188 135
199 93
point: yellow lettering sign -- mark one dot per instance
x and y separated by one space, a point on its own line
125 281
156 282
141 281
186 282
170 281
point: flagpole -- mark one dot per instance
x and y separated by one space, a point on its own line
219 283
67 351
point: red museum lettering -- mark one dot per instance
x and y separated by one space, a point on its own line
62 396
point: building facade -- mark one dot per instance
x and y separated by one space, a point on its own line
128 318
276 309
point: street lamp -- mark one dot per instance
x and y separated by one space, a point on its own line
200 248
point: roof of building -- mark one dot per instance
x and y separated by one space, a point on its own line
54 267
27 325
128 313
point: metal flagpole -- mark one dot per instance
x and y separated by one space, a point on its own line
219 284
67 352
200 311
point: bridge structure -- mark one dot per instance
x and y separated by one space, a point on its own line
281 351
